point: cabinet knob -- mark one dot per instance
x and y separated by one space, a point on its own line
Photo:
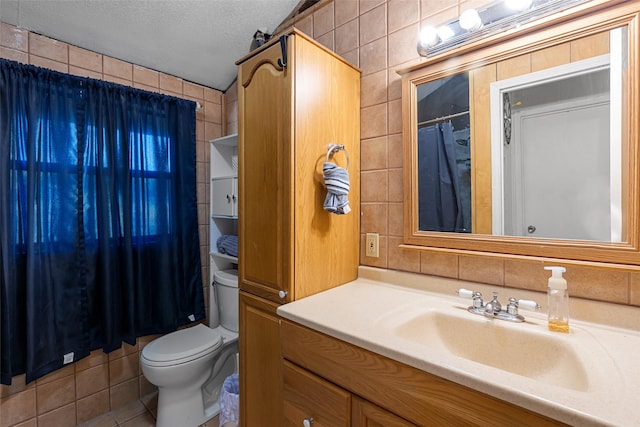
228 198
307 422
282 294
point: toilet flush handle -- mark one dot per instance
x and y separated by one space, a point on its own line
307 422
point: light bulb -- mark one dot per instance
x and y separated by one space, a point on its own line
470 20
429 36
445 33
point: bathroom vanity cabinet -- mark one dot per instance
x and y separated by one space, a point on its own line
339 384
295 97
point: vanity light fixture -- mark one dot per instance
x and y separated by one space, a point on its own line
518 4
500 16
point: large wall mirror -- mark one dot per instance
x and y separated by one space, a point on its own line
527 143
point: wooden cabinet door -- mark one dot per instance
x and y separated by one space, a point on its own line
264 165
309 397
366 414
260 365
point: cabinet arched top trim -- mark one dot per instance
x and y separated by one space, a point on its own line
268 61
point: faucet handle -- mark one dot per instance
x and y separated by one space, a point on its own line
529 304
478 303
512 307
466 293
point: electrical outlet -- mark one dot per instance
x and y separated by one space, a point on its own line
372 245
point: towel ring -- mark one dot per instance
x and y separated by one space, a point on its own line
334 148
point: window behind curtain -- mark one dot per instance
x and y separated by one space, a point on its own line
99 217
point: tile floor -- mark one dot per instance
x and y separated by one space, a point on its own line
141 413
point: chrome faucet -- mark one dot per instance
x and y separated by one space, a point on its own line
493 309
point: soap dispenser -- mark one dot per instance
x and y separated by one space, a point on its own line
558 300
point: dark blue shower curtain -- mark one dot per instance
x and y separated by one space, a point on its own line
439 199
98 212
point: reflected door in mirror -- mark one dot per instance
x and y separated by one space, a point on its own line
560 175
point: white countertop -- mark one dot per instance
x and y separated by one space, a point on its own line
370 311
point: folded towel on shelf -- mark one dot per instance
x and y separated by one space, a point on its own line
337 181
228 244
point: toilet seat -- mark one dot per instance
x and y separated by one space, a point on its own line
182 346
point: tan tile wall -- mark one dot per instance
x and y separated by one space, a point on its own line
380 36
231 97
100 382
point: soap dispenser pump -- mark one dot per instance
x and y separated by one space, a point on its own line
558 300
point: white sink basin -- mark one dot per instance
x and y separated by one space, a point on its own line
499 344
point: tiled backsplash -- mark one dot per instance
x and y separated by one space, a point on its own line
101 382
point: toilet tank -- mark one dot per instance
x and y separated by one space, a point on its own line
226 287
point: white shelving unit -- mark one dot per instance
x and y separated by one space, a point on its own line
223 200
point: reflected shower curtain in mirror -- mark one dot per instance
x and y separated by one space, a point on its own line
98 212
439 200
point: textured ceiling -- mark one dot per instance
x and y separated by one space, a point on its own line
197 40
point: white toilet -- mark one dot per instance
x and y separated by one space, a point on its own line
189 366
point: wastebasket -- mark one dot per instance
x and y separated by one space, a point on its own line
230 402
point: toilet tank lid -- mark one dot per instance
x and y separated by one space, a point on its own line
226 277
183 345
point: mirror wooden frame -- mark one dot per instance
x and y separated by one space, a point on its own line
568 26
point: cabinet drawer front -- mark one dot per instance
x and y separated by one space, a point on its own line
366 414
308 396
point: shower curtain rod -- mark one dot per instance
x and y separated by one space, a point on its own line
440 119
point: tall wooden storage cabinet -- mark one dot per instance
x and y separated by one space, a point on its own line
295 97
